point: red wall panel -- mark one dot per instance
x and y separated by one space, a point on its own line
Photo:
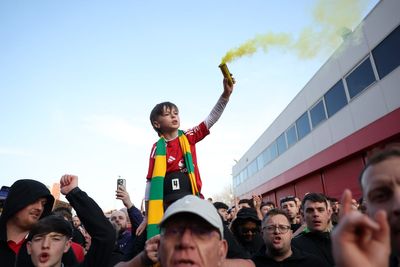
284 191
269 197
343 175
311 183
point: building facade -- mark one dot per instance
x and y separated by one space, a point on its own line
350 107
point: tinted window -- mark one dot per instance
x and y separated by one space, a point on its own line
335 98
360 78
281 143
291 136
243 175
270 153
387 53
260 161
252 168
317 114
303 126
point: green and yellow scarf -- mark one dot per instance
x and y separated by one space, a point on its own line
156 209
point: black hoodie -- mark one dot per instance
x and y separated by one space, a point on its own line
22 193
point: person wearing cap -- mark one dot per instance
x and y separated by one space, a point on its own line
27 201
192 233
246 229
98 226
48 240
222 209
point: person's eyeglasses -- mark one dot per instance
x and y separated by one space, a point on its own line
272 228
198 231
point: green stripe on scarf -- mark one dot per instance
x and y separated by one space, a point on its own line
156 210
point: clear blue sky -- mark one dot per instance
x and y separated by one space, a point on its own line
78 80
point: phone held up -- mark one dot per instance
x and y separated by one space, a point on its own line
121 182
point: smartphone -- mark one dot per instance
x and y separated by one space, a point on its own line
122 182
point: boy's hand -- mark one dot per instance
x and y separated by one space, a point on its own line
67 183
228 89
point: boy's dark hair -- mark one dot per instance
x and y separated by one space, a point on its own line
158 111
314 197
51 223
378 157
63 212
274 212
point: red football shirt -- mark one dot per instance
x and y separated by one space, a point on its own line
175 160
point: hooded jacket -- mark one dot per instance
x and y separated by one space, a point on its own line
22 193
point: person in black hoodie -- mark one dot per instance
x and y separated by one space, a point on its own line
27 202
97 225
246 229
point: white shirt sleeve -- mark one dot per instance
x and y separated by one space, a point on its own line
216 112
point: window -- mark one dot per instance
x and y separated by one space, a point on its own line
260 161
252 168
317 114
270 153
335 98
291 135
360 78
303 126
387 53
243 176
281 143
235 180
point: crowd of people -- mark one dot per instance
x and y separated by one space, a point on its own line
198 232
180 228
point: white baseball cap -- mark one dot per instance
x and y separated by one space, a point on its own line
195 205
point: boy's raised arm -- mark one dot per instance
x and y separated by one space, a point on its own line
219 107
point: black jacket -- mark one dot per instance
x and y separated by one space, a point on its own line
297 259
22 193
98 226
316 243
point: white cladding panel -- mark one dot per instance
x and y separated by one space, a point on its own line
390 87
341 124
381 21
374 102
352 51
324 79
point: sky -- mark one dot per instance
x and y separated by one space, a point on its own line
78 80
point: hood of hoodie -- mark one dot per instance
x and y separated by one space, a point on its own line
22 193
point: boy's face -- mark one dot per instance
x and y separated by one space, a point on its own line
169 121
48 249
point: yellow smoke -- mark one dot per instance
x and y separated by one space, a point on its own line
330 18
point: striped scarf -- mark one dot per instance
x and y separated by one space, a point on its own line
156 209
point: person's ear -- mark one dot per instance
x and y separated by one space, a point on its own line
67 245
29 247
223 251
156 124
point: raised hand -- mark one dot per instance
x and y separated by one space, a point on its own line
358 240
